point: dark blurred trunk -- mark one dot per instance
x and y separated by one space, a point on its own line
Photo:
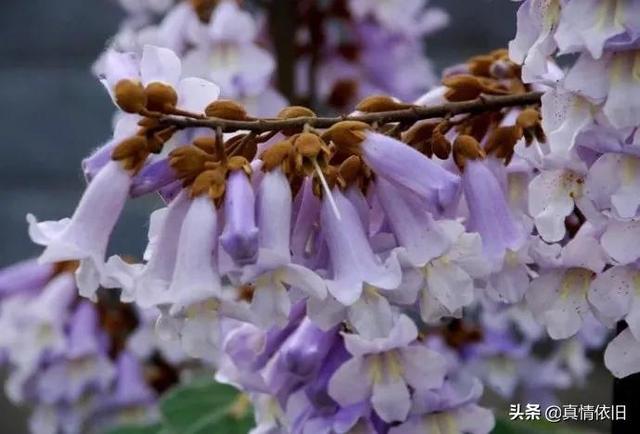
282 24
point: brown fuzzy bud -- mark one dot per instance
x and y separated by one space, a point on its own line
296 111
480 65
206 143
462 87
276 155
380 103
226 109
160 97
292 113
211 182
347 135
130 96
466 148
440 145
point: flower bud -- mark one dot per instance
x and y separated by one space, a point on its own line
160 97
130 96
226 109
380 103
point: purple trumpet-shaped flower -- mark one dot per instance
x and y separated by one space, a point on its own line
353 261
405 167
412 224
271 303
152 177
85 365
298 359
489 213
195 276
85 236
24 277
381 371
240 236
148 284
451 409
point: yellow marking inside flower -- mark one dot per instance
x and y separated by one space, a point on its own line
393 365
441 423
375 368
575 278
551 14
636 282
630 166
635 70
606 10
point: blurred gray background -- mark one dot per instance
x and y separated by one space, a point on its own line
53 112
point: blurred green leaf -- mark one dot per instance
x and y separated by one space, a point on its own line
206 407
200 407
137 429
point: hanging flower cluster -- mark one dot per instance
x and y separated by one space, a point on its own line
370 272
82 366
589 168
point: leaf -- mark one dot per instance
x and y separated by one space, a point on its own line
205 407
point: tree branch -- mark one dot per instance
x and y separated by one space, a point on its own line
413 114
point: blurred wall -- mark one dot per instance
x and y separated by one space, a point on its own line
54 112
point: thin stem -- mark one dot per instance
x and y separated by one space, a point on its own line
413 114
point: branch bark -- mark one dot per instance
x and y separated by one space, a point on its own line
413 114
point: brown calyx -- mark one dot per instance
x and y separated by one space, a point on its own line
65 267
309 148
347 136
466 148
189 161
204 8
132 152
502 141
531 123
211 182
